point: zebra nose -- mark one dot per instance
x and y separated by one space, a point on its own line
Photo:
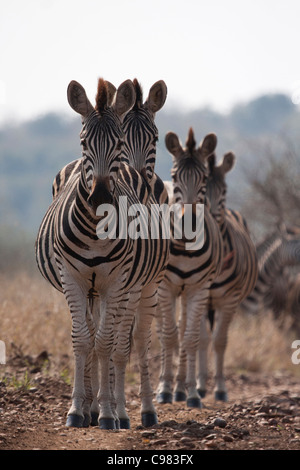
100 193
193 218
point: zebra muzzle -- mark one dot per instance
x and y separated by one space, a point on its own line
100 193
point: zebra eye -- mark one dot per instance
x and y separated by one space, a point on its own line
83 144
155 139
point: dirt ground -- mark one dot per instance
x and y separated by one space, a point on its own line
263 413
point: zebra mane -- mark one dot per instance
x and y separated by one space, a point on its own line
191 143
101 96
139 94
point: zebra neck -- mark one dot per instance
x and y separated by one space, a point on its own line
269 259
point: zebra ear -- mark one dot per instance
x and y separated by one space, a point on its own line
173 145
228 162
157 96
125 98
211 162
78 100
111 90
208 145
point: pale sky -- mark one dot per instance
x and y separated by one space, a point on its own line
213 52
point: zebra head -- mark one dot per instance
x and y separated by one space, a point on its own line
190 172
140 131
102 136
216 185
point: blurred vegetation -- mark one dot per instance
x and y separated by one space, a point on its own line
263 133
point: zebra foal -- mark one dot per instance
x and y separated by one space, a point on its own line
109 284
189 273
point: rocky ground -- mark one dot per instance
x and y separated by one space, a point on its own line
263 412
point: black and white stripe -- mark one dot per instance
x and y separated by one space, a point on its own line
189 273
111 284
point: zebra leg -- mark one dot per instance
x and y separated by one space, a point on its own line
169 341
142 340
196 308
180 390
82 345
202 357
124 325
219 344
91 407
104 347
95 389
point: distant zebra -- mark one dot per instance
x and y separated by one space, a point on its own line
293 304
189 273
274 253
236 280
111 284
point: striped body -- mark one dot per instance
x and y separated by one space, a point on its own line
189 273
275 253
293 304
110 284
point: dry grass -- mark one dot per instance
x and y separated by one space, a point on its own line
35 317
258 343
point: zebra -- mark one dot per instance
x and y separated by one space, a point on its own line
276 252
293 304
110 285
141 135
236 279
189 273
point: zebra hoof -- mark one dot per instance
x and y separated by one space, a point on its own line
107 423
221 396
202 393
74 421
86 421
94 418
179 396
194 402
124 423
164 397
149 419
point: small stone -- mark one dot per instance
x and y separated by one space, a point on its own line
211 444
186 440
273 422
228 438
159 441
210 437
148 433
220 422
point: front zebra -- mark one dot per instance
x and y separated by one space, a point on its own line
277 251
120 275
189 273
237 277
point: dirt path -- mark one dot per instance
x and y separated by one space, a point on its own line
263 412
